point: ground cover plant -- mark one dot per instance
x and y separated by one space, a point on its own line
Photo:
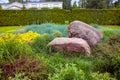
50 28
27 56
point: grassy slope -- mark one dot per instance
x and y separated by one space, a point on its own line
10 28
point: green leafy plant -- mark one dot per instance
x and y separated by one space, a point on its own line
40 44
33 8
111 46
115 63
23 8
45 8
107 34
67 22
48 28
10 48
57 33
68 72
19 76
102 76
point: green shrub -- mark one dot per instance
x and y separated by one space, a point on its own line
107 34
116 66
101 63
57 33
56 8
40 44
26 17
110 47
33 8
67 22
102 49
114 40
97 16
68 72
45 8
102 76
23 8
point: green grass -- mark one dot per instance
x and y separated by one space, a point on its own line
112 26
4 29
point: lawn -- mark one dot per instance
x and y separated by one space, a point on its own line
112 26
10 28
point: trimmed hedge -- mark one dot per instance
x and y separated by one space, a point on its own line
26 17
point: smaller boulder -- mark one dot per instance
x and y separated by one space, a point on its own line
70 45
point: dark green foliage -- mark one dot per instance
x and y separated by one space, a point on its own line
45 8
97 16
0 8
25 17
74 5
114 40
70 66
57 33
109 48
107 34
23 8
56 8
66 4
110 51
40 44
117 4
116 66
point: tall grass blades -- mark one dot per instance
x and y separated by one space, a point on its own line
9 48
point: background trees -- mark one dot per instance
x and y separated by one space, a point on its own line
96 4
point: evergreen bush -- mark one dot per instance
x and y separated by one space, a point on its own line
25 17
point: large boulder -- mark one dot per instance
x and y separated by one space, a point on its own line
82 30
70 45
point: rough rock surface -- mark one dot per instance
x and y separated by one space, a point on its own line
82 30
70 45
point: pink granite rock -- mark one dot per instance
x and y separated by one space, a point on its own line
82 30
70 45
